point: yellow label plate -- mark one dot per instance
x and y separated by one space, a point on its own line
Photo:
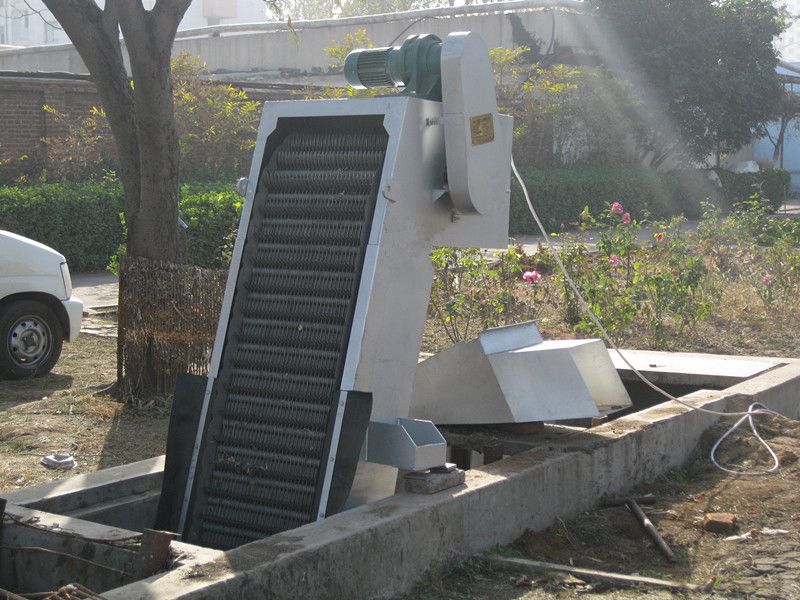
482 129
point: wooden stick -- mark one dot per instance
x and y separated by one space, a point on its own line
651 530
521 564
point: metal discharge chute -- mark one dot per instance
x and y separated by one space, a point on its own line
310 382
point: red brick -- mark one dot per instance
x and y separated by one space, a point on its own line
719 522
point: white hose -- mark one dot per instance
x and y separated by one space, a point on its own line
745 416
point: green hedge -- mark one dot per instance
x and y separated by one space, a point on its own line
212 217
772 183
82 220
560 194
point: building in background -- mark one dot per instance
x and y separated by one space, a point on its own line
789 43
29 23
202 13
763 150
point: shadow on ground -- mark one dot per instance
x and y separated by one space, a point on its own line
63 412
27 390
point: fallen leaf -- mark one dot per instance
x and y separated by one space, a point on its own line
522 581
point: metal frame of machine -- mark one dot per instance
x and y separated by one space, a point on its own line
413 212
409 218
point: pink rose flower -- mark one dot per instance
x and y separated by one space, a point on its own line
532 276
614 260
626 218
766 279
660 236
616 209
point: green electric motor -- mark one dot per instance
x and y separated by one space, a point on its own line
415 66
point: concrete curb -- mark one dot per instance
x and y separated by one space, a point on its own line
382 549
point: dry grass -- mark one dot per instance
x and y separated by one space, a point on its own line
611 539
63 412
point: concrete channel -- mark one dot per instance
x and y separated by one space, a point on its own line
381 549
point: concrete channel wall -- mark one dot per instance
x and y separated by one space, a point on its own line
125 496
300 48
382 549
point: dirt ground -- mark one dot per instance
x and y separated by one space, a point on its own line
63 412
67 411
765 565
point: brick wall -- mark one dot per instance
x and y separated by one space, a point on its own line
23 123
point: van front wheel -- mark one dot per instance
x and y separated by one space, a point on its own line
31 337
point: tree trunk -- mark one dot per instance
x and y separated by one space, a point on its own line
141 117
154 233
778 152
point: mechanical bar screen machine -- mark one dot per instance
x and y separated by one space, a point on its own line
310 381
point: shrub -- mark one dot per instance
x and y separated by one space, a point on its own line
216 122
469 294
18 169
82 220
560 194
772 184
85 149
213 218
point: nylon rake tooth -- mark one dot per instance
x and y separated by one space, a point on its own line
354 139
296 282
218 535
281 410
308 256
277 385
328 182
286 359
314 206
333 232
254 488
260 462
291 333
277 439
287 306
263 518
321 160
278 497
293 386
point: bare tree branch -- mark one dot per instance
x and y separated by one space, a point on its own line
33 11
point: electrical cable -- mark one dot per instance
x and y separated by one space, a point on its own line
776 464
752 410
407 27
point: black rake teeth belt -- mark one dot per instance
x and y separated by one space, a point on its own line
267 437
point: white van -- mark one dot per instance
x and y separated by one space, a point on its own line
37 310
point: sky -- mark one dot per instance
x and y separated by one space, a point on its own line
789 43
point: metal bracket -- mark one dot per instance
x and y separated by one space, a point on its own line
411 444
